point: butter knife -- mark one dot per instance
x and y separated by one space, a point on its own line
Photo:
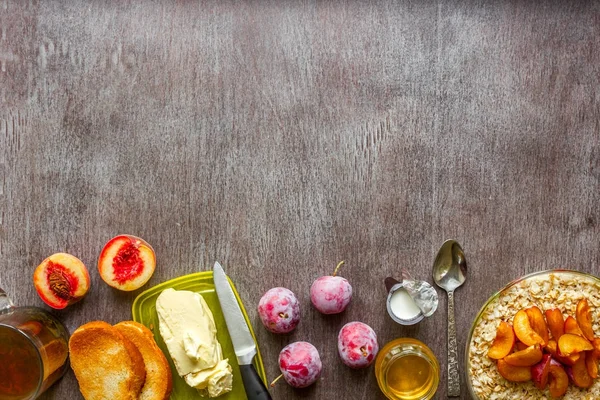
243 342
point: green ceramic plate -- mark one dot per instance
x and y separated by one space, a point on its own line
144 312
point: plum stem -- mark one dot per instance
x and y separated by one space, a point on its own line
338 267
364 352
275 380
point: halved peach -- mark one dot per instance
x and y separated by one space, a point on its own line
552 348
591 363
584 319
525 358
538 323
503 343
61 280
524 331
126 262
512 373
571 326
559 381
579 374
570 344
539 372
556 322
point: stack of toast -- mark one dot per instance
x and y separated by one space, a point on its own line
119 362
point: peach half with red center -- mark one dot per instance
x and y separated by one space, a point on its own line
126 262
61 280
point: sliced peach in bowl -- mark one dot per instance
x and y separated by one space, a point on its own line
570 344
520 346
538 323
556 322
126 262
61 279
579 374
524 331
512 373
591 363
552 348
525 358
539 372
596 344
584 319
569 360
503 343
571 326
559 381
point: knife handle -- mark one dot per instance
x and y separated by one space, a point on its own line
255 388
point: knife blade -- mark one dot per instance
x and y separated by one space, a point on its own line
243 342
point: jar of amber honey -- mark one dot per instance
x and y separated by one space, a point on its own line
406 369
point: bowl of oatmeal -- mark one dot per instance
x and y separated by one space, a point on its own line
547 289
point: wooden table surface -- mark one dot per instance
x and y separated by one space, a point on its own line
280 137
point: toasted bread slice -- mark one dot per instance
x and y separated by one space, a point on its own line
106 364
159 381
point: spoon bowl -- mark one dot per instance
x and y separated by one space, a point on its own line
449 272
450 266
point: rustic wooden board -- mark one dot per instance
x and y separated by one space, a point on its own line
280 137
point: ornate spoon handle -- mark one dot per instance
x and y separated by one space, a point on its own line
453 376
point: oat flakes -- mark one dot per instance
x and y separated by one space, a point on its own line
549 290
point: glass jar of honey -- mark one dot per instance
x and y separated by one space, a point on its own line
406 369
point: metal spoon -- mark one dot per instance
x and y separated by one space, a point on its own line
449 272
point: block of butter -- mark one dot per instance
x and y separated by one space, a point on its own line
187 327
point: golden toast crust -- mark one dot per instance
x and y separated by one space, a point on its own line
159 381
106 364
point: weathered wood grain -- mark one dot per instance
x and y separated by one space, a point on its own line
280 137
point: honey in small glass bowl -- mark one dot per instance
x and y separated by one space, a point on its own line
406 369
